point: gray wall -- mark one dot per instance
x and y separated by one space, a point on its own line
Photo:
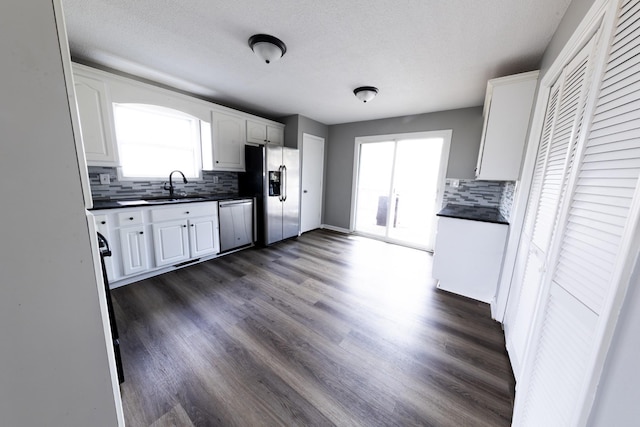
617 399
570 21
54 368
466 124
290 130
297 125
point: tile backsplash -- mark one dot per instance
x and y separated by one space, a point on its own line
506 201
227 185
497 194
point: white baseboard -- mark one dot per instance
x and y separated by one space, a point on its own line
334 228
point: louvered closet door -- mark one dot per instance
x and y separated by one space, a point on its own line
562 124
594 224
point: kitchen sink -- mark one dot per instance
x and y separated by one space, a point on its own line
160 201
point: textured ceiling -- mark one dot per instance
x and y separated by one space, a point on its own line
423 55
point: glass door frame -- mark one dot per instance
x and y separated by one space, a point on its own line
445 135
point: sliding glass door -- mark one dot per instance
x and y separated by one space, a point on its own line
399 188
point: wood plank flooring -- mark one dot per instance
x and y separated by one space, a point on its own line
326 329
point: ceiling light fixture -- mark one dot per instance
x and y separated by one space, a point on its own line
267 47
366 93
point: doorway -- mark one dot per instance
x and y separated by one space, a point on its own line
399 185
311 183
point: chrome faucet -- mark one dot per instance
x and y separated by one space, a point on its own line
171 188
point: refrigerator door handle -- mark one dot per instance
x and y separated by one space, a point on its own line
284 183
281 184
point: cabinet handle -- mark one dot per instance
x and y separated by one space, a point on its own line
192 225
141 232
130 218
217 161
184 225
187 212
103 222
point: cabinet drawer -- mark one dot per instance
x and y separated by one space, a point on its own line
185 210
102 222
130 218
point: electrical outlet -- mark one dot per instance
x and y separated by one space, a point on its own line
455 183
215 179
105 178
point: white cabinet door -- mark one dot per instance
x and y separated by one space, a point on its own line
275 135
170 242
134 250
262 133
203 236
468 256
228 136
96 121
256 132
507 111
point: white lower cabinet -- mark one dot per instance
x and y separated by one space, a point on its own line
468 256
203 236
170 242
133 245
148 240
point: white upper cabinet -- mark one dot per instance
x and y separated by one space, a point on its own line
228 136
275 135
507 110
223 131
96 119
262 133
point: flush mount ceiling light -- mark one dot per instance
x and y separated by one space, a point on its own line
267 47
366 93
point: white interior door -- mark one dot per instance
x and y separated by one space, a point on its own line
592 252
556 152
312 180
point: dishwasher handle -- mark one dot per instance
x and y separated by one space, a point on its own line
233 203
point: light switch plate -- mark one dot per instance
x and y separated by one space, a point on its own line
455 183
105 178
215 179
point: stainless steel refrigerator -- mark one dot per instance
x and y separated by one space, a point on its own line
273 177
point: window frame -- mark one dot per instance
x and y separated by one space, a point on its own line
160 109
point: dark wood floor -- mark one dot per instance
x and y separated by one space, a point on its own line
326 329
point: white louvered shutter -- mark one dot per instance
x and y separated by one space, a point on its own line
562 122
608 174
526 272
569 115
541 159
595 221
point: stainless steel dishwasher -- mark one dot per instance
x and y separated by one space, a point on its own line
236 223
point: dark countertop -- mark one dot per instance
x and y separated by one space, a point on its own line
474 213
159 201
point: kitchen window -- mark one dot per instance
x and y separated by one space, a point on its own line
153 141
